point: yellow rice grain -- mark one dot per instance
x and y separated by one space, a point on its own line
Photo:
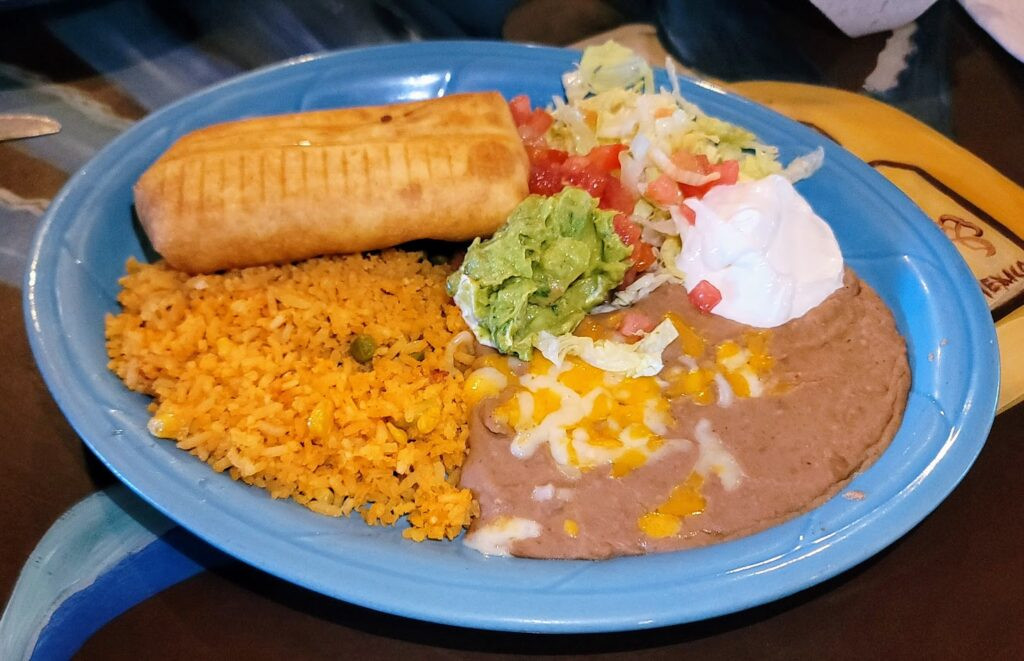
250 371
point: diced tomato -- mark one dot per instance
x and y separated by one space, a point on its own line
520 108
606 157
689 214
627 230
661 191
643 252
532 124
662 112
664 191
546 179
730 171
635 323
545 155
705 296
535 126
617 197
551 170
545 169
695 191
576 163
587 179
698 163
643 256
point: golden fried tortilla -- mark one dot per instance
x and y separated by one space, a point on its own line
283 188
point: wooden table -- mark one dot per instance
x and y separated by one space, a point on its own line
951 588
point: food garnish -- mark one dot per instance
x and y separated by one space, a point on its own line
553 261
758 254
643 152
642 358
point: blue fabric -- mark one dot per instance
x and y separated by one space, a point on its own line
169 559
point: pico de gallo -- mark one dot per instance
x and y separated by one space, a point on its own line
641 153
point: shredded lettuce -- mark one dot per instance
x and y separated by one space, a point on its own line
633 360
804 166
606 67
610 98
670 250
465 298
640 289
575 129
759 164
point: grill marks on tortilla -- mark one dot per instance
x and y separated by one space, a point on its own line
333 181
199 182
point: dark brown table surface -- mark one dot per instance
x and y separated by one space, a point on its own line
953 587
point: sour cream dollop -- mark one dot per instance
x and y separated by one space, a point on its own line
763 247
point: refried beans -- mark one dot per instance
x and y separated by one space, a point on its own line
834 399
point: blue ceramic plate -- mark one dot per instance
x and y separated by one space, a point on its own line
83 242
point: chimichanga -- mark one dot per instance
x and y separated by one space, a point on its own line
287 187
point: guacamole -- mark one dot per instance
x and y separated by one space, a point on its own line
553 261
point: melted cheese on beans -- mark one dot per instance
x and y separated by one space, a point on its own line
734 369
497 537
587 417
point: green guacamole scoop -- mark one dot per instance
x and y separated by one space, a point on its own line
554 260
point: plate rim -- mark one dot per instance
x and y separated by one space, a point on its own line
982 412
